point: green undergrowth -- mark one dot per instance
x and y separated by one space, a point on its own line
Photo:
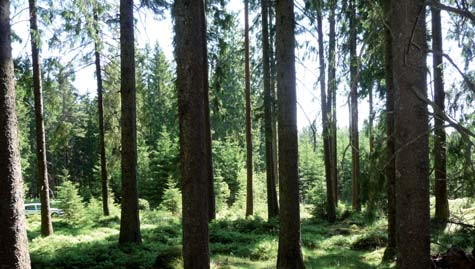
354 241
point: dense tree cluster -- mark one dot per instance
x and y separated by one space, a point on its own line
215 130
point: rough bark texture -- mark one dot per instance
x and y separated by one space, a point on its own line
249 198
354 135
332 86
290 253
14 243
46 225
326 114
391 164
411 133
100 109
440 167
272 205
129 221
192 82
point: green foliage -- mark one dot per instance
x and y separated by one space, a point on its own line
70 202
163 161
228 160
311 172
172 198
143 204
222 192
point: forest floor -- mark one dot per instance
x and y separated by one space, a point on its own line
356 241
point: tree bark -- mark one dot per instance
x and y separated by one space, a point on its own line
289 253
129 221
14 242
192 82
100 109
209 151
391 164
249 200
326 114
332 86
411 133
46 225
275 138
272 205
354 135
440 167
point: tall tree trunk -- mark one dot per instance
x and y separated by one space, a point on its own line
355 147
129 221
411 133
441 200
325 105
390 171
46 225
371 120
372 171
192 82
14 242
290 253
249 200
332 92
272 69
209 152
272 205
100 109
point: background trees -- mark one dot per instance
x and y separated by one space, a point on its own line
326 68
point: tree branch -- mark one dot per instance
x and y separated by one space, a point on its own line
462 12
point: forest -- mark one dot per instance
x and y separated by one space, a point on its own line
281 134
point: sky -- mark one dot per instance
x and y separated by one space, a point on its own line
151 30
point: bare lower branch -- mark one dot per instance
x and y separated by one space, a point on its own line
466 79
462 12
440 113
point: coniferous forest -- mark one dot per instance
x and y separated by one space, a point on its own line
281 134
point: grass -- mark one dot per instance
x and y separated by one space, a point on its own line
355 242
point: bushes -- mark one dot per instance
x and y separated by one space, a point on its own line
144 205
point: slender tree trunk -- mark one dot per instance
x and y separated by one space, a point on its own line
129 221
411 133
275 138
441 200
192 82
290 253
249 200
209 152
332 92
14 242
100 109
272 205
355 147
325 104
46 225
371 120
372 171
390 171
